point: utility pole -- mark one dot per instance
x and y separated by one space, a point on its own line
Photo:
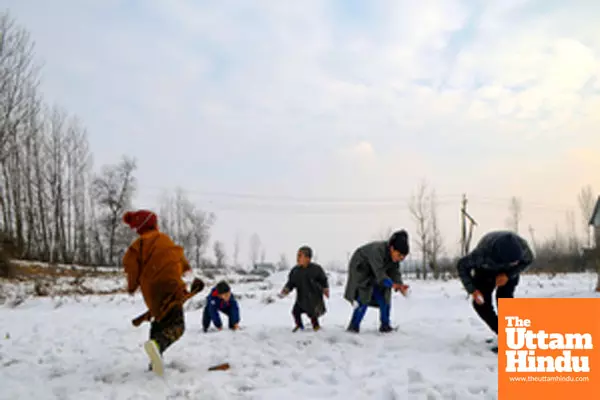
531 233
463 230
466 237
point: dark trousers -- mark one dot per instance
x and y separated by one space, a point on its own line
297 312
206 318
169 329
361 309
486 283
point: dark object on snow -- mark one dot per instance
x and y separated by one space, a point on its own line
309 283
493 255
220 367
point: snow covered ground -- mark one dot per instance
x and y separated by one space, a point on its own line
86 348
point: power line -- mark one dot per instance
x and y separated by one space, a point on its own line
254 202
311 209
291 198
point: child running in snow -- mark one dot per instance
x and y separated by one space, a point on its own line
222 300
156 265
311 284
373 272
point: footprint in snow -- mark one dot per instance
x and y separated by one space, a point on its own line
178 366
414 376
460 367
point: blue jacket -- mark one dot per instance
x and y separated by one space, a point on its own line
215 304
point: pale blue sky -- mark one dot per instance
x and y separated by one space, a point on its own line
491 98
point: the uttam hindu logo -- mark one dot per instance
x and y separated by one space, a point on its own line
547 349
523 343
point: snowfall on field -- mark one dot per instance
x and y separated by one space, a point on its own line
84 347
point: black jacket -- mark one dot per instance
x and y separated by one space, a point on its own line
482 259
309 283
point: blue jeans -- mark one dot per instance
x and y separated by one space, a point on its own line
361 310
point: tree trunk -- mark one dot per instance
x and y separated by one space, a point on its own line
41 203
8 227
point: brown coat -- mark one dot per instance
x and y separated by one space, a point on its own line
156 264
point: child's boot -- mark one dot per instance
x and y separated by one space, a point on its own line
156 361
315 324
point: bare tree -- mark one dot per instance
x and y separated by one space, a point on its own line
18 80
515 214
236 250
283 264
587 201
254 249
114 189
419 208
434 244
187 225
263 255
19 107
572 237
219 250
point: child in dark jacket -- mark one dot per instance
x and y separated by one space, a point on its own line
311 284
222 300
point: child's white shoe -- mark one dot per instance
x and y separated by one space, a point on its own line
156 360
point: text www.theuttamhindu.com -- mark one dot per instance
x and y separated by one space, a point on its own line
567 378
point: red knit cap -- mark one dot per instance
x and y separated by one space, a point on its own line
142 220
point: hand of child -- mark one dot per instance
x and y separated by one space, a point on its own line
283 293
478 297
401 288
326 292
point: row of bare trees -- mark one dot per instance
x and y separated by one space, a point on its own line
53 205
567 241
561 252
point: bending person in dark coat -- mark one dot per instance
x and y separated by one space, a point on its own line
373 272
222 300
496 262
311 284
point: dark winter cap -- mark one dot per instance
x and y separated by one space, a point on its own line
142 220
223 287
399 241
307 251
507 249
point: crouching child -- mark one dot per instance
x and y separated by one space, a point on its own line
311 284
221 300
